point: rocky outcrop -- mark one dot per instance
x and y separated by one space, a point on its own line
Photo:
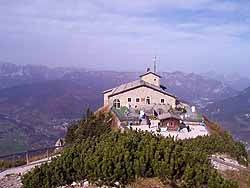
11 181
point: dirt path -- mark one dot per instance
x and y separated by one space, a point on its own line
22 169
11 178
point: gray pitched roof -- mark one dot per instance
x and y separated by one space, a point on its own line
168 115
150 72
133 85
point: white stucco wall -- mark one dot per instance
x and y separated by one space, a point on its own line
142 93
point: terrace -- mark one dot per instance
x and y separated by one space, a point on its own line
130 119
196 130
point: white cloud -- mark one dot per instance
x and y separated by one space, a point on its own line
124 31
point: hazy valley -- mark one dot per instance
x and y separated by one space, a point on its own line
234 114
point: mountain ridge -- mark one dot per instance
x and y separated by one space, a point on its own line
234 114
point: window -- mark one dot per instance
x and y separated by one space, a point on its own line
137 100
162 101
148 100
117 103
129 99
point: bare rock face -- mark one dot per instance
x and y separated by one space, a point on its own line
11 181
225 163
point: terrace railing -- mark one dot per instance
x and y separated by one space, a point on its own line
26 157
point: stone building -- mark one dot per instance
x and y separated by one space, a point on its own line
144 92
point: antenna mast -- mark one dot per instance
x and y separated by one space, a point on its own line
154 64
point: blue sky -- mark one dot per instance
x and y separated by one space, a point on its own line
186 35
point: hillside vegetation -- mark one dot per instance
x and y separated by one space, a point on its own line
103 156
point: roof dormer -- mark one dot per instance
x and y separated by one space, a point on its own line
151 77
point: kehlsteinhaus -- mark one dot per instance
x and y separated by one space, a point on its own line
145 92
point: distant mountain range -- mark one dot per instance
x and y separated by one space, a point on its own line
194 88
197 89
234 80
13 75
37 102
234 114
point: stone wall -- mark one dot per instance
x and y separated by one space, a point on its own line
142 93
152 79
106 98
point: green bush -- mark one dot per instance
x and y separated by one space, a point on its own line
90 126
106 157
